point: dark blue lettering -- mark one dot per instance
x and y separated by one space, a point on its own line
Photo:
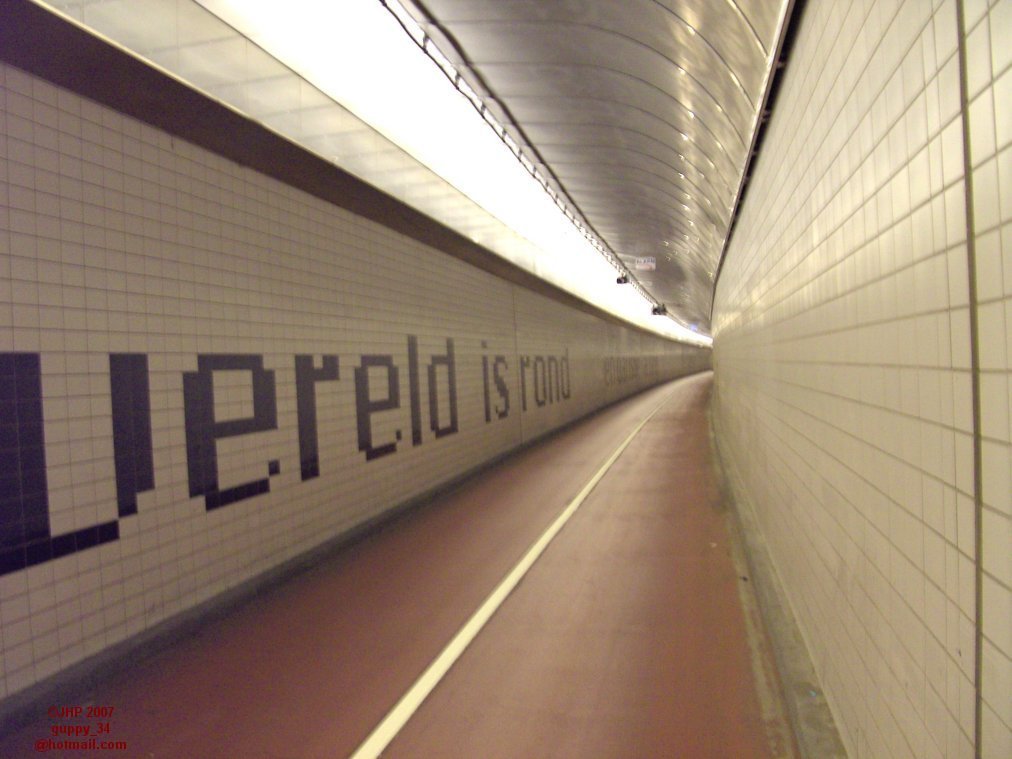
484 384
306 377
554 390
414 395
133 454
540 393
203 430
365 405
525 361
564 375
25 538
498 367
449 362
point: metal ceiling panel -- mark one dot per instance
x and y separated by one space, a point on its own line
641 113
644 111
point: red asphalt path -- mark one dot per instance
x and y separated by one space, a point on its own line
627 637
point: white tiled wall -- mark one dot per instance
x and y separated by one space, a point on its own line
989 94
842 357
114 238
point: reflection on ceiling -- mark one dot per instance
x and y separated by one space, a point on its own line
644 111
636 118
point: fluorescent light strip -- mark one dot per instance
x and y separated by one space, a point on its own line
368 59
432 50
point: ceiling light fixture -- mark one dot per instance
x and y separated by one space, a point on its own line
446 128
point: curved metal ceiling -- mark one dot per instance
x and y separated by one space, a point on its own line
638 116
643 111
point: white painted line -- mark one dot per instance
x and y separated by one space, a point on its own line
397 717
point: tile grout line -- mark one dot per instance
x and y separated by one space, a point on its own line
978 499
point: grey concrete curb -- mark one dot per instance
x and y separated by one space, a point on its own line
809 713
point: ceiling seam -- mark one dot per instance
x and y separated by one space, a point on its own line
793 11
609 254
